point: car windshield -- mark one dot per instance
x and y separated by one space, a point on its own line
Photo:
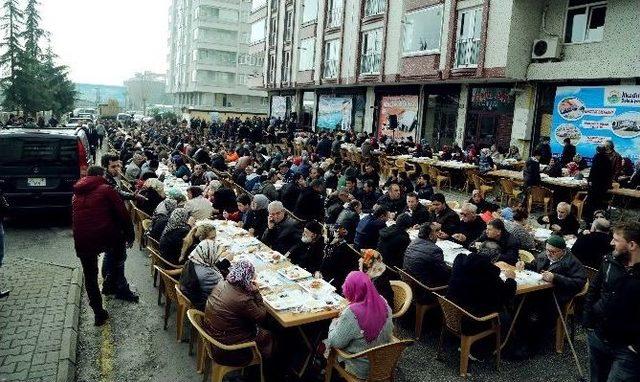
19 150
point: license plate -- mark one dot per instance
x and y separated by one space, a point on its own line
37 182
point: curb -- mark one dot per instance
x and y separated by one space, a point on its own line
67 360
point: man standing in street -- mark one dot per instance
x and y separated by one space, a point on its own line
612 310
114 259
101 223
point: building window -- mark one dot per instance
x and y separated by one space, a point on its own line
371 52
241 79
374 7
257 4
258 31
194 75
288 25
334 13
468 43
207 13
422 31
331 58
307 54
309 11
585 21
273 30
286 66
271 70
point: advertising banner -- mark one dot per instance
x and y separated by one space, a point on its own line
334 112
279 107
591 115
405 107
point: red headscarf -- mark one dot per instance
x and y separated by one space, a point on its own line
366 304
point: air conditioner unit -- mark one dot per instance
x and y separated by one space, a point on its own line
546 49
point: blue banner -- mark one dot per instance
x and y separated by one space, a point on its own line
591 115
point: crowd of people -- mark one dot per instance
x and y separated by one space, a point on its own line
321 211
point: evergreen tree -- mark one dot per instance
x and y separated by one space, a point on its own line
32 31
10 23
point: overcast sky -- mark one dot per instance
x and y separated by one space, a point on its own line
106 42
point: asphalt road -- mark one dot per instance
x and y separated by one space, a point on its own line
134 346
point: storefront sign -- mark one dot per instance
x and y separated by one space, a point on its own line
405 108
492 99
334 112
591 115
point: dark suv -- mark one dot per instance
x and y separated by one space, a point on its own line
38 167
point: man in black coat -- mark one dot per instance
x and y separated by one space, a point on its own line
612 310
282 232
291 191
310 205
338 259
593 245
544 149
368 229
531 171
419 213
568 152
308 252
393 240
471 226
393 200
349 218
563 222
508 244
369 196
424 260
445 216
600 180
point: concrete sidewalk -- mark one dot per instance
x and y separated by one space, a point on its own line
39 321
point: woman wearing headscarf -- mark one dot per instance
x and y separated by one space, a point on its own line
256 222
200 273
371 264
364 324
233 312
153 193
160 217
174 233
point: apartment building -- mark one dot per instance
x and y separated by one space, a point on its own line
209 61
465 71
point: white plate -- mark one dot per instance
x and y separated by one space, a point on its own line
294 273
317 286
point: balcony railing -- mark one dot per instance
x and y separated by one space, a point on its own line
374 7
330 68
370 63
334 18
467 50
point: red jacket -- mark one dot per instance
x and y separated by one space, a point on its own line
100 218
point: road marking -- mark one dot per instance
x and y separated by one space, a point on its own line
106 354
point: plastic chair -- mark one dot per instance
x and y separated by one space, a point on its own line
421 308
183 304
591 272
206 344
138 217
158 262
410 168
452 319
525 256
169 288
568 311
383 361
402 297
540 196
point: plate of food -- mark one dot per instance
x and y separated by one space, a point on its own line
271 257
268 279
294 273
317 286
286 299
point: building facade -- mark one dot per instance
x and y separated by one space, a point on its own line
464 71
145 89
209 65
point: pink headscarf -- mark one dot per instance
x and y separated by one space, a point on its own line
366 304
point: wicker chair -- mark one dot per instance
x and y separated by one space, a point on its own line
183 303
438 176
402 297
480 183
591 273
525 256
568 311
468 183
509 190
579 201
138 217
540 196
206 344
153 244
421 308
169 288
452 320
383 361
410 168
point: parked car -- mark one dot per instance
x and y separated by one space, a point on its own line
38 167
